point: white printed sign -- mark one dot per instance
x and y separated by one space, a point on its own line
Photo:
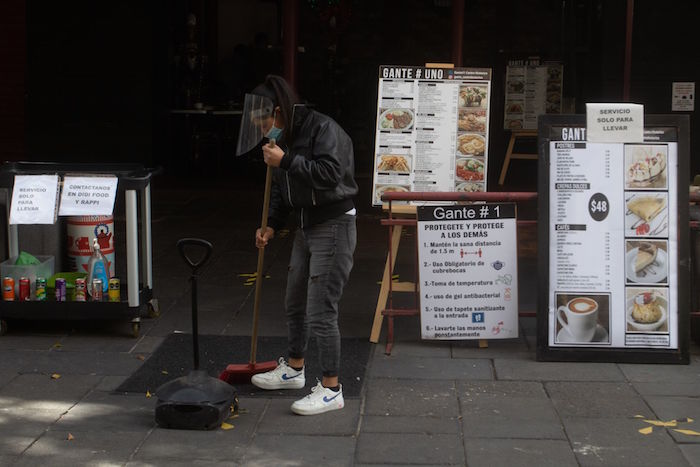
615 123
88 196
683 95
468 271
34 199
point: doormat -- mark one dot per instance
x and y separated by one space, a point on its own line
173 358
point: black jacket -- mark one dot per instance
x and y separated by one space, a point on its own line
316 175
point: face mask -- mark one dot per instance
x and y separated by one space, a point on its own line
274 132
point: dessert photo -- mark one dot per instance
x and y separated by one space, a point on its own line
646 215
646 262
645 166
647 310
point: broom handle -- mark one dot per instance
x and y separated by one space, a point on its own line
261 262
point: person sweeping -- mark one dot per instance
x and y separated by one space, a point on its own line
313 178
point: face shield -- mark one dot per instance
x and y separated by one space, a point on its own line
256 121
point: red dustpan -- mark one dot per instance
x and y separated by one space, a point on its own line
242 372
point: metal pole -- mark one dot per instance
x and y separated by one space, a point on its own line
457 31
132 249
289 40
628 52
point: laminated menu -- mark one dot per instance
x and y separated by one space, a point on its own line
531 90
432 130
613 243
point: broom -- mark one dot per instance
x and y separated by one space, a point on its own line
242 372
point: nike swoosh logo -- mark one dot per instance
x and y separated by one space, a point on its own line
326 399
286 377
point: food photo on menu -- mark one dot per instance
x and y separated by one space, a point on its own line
398 119
379 190
468 187
394 163
469 169
647 309
646 261
646 214
645 166
473 96
582 318
471 144
472 120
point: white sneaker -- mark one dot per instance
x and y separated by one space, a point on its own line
282 377
320 400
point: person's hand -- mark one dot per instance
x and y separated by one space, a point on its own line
262 239
272 155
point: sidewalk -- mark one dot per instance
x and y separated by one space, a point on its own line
429 403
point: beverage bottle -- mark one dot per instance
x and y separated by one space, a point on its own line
97 267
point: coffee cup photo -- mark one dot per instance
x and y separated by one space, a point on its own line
579 318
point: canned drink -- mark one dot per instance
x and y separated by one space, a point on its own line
80 290
24 289
8 289
40 289
114 293
97 290
60 289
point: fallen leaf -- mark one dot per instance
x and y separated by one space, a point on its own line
148 394
639 416
660 423
165 372
57 345
647 430
55 376
687 432
141 357
226 426
70 437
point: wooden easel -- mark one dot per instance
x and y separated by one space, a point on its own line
515 134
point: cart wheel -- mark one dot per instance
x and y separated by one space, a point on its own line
135 329
3 327
153 308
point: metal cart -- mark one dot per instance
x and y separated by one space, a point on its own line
134 182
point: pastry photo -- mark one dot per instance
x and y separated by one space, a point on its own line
646 262
647 310
646 214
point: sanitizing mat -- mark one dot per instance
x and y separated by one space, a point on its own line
173 358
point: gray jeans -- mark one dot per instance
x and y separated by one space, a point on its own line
318 270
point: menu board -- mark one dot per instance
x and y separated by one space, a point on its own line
531 90
613 234
432 130
468 271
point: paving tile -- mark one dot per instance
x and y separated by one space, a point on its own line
277 450
583 399
28 342
617 441
182 463
676 408
38 391
279 419
147 345
417 348
666 389
411 424
430 368
105 411
98 447
6 376
507 369
408 448
97 343
18 433
414 398
81 363
668 374
506 348
508 409
691 453
515 452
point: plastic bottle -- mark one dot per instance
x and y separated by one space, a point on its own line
97 268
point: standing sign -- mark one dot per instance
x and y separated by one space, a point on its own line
432 130
613 244
468 271
531 90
